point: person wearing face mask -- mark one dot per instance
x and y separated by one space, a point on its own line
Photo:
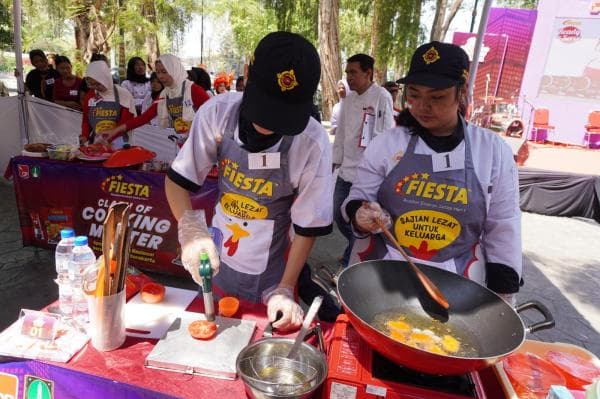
342 89
40 81
176 105
104 106
137 82
447 189
274 179
365 113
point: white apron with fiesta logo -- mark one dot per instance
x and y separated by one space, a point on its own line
253 213
175 109
438 209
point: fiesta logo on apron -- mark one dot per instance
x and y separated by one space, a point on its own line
425 232
419 185
257 186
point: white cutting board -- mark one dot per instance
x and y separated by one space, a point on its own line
155 318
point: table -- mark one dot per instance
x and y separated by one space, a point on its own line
53 194
559 193
121 373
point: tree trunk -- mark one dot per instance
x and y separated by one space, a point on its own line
91 33
329 48
380 69
149 12
438 20
441 21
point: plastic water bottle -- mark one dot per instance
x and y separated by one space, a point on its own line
62 257
83 257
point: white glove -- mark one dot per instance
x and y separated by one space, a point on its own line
195 239
282 300
511 299
367 215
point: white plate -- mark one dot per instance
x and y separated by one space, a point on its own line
35 154
98 158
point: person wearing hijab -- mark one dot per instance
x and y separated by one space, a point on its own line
176 105
274 180
137 83
105 106
67 88
157 88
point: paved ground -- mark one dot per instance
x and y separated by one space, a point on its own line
561 263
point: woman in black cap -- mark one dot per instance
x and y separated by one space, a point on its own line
448 190
274 179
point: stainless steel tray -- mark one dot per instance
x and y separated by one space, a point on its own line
178 351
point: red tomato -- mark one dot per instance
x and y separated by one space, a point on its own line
153 292
202 329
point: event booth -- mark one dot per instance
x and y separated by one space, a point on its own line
561 84
53 194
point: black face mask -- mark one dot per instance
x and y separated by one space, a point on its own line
253 140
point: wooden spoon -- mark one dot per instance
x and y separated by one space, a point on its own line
433 291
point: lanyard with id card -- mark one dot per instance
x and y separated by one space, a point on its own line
264 160
367 128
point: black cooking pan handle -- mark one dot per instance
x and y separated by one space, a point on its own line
317 332
548 321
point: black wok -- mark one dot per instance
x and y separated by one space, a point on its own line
493 327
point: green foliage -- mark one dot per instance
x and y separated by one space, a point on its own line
249 22
6 36
300 16
531 4
355 28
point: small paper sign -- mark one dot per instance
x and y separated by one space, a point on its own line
39 325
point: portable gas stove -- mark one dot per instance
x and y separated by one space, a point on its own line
358 372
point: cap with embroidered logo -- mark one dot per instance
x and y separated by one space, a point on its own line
283 76
438 65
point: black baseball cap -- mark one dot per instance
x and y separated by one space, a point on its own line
283 76
438 65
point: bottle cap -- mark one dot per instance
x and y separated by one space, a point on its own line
67 233
81 240
203 256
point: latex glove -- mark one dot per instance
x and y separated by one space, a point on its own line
194 239
367 215
511 299
282 300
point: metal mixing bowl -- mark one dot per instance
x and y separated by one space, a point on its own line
309 368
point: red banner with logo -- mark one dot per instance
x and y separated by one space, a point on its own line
52 195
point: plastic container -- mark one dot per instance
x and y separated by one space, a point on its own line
61 152
62 257
541 349
228 306
83 257
107 321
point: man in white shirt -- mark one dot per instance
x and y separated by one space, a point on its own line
366 112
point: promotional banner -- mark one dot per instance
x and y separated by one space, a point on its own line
573 65
52 195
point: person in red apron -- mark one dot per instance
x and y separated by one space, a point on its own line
448 190
104 106
275 188
177 104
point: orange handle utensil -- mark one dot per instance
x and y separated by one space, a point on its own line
433 291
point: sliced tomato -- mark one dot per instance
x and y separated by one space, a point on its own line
202 329
153 292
